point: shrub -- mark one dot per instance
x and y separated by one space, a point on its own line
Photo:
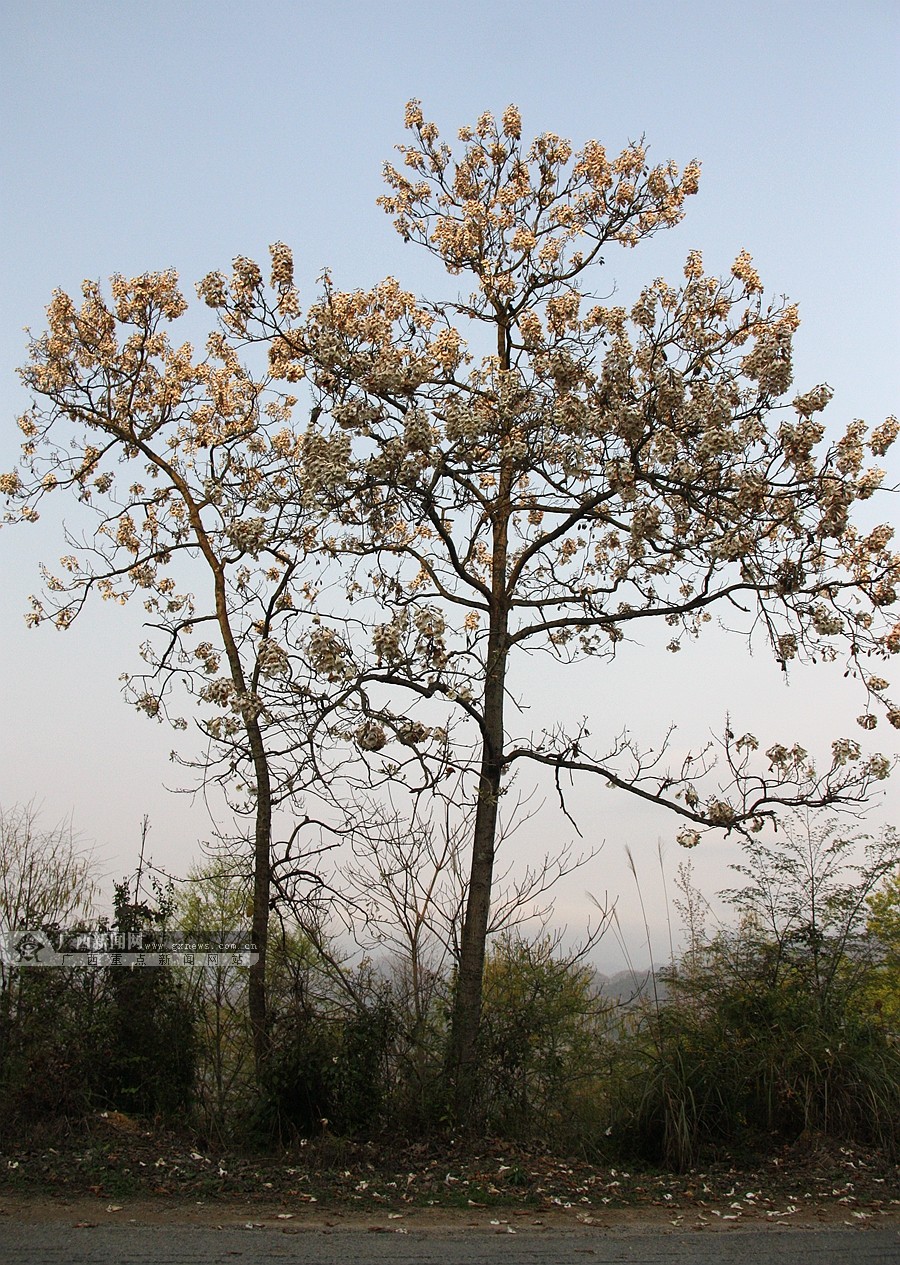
769 1027
542 1042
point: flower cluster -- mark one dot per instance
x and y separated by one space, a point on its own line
248 535
483 218
328 655
272 658
387 641
370 736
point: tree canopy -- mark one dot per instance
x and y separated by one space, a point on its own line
519 469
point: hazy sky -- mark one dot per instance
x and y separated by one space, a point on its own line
140 136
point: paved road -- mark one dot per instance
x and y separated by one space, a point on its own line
48 1244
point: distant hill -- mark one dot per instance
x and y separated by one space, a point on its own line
630 986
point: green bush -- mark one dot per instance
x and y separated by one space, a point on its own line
769 1028
148 1041
54 1033
326 1072
333 1028
84 1038
542 1043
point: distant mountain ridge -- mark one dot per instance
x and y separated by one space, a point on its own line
630 985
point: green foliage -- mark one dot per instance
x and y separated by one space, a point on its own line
54 1030
49 1019
884 926
82 1038
150 1042
212 908
784 1022
327 1072
884 912
333 1029
768 1027
542 1041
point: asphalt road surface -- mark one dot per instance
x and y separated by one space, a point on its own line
56 1244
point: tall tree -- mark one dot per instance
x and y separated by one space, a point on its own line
520 470
527 469
184 465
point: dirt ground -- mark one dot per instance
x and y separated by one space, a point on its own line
121 1170
84 1212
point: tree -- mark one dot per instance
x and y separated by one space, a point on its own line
544 1041
404 892
211 908
807 898
148 1051
45 877
596 468
521 470
185 463
526 470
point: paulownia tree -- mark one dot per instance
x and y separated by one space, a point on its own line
523 469
186 468
528 469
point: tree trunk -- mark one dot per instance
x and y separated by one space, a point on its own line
262 840
262 861
466 1020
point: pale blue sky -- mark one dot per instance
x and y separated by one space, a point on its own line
137 136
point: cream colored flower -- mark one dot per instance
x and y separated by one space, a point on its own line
743 269
512 122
